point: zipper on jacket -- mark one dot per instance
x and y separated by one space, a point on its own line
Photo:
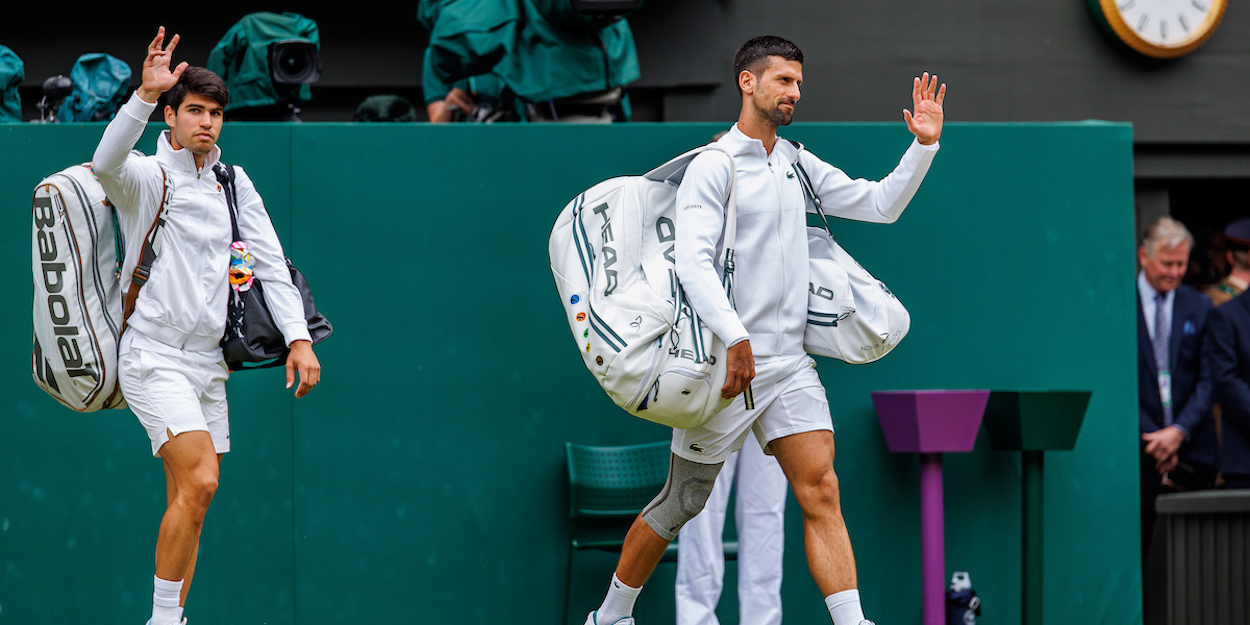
780 244
204 305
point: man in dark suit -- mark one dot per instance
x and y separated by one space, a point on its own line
1228 357
1179 450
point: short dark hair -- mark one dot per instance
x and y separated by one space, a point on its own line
753 55
201 82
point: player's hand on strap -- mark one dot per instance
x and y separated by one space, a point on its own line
926 122
303 361
157 76
739 370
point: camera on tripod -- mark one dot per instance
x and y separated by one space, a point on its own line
55 90
268 60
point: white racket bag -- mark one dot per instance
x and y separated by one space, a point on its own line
612 257
75 258
851 315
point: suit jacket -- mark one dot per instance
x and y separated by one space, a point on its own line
1191 379
1228 357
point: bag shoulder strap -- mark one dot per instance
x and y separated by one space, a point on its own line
225 175
809 190
143 270
675 169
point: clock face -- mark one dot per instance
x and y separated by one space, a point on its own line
1163 28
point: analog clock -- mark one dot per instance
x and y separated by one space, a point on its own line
1162 29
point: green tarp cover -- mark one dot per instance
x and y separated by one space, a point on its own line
101 85
540 49
12 73
241 58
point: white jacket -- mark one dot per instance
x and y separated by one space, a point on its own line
770 283
183 304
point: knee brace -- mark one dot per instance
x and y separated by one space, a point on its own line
685 493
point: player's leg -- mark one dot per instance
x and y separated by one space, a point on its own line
191 463
701 554
760 516
798 430
807 459
170 491
698 455
168 395
211 384
684 494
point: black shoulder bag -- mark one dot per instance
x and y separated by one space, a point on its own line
252 339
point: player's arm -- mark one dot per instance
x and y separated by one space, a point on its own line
700 226
883 201
284 300
110 158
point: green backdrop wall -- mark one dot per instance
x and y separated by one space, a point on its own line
422 482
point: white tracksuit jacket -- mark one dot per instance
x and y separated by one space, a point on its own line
770 283
184 301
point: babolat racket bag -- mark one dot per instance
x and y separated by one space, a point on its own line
76 255
612 258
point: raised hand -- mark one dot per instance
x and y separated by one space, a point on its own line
157 77
927 98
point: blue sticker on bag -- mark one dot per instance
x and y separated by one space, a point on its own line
574 299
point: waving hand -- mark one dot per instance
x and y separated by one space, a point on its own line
927 98
157 77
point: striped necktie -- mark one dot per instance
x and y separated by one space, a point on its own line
1162 334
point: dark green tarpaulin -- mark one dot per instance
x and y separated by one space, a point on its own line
241 58
12 73
101 84
540 49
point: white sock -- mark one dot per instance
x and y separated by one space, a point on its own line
845 608
165 598
618 604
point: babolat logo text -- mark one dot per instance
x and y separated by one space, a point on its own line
609 253
53 272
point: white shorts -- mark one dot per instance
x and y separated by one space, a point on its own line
173 390
789 399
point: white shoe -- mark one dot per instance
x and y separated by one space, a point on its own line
184 622
627 620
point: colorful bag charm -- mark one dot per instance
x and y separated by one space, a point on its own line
241 265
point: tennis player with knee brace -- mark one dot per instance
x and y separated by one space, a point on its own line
790 416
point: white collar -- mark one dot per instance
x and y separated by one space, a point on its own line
739 144
183 159
1148 292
